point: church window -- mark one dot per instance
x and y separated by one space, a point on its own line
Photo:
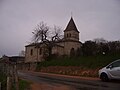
72 52
70 34
67 35
31 52
40 51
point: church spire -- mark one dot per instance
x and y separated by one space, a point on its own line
71 26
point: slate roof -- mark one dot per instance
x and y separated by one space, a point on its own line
71 26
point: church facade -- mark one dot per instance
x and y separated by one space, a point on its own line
68 44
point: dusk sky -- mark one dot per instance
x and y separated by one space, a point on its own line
93 18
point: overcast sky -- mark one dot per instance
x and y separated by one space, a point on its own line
93 18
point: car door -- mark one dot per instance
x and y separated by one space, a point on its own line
115 70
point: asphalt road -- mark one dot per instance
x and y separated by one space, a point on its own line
72 83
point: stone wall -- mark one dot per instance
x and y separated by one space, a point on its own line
27 66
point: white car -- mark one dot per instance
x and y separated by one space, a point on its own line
111 71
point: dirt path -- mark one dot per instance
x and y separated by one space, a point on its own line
38 86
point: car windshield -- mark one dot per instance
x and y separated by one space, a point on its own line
114 64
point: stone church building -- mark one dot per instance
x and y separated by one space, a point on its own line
69 43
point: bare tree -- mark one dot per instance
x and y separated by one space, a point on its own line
42 34
57 33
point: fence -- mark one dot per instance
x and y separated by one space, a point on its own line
11 80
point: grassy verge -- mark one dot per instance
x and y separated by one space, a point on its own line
80 66
24 85
91 62
3 81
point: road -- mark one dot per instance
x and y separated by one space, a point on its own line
56 82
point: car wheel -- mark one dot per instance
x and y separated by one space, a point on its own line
104 77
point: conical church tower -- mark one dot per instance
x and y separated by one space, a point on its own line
71 38
71 32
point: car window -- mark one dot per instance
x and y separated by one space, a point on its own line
116 64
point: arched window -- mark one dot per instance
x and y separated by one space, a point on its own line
67 35
40 51
31 52
70 34
72 52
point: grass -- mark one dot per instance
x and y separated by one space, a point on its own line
3 80
23 84
83 61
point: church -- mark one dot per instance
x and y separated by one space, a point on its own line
68 44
